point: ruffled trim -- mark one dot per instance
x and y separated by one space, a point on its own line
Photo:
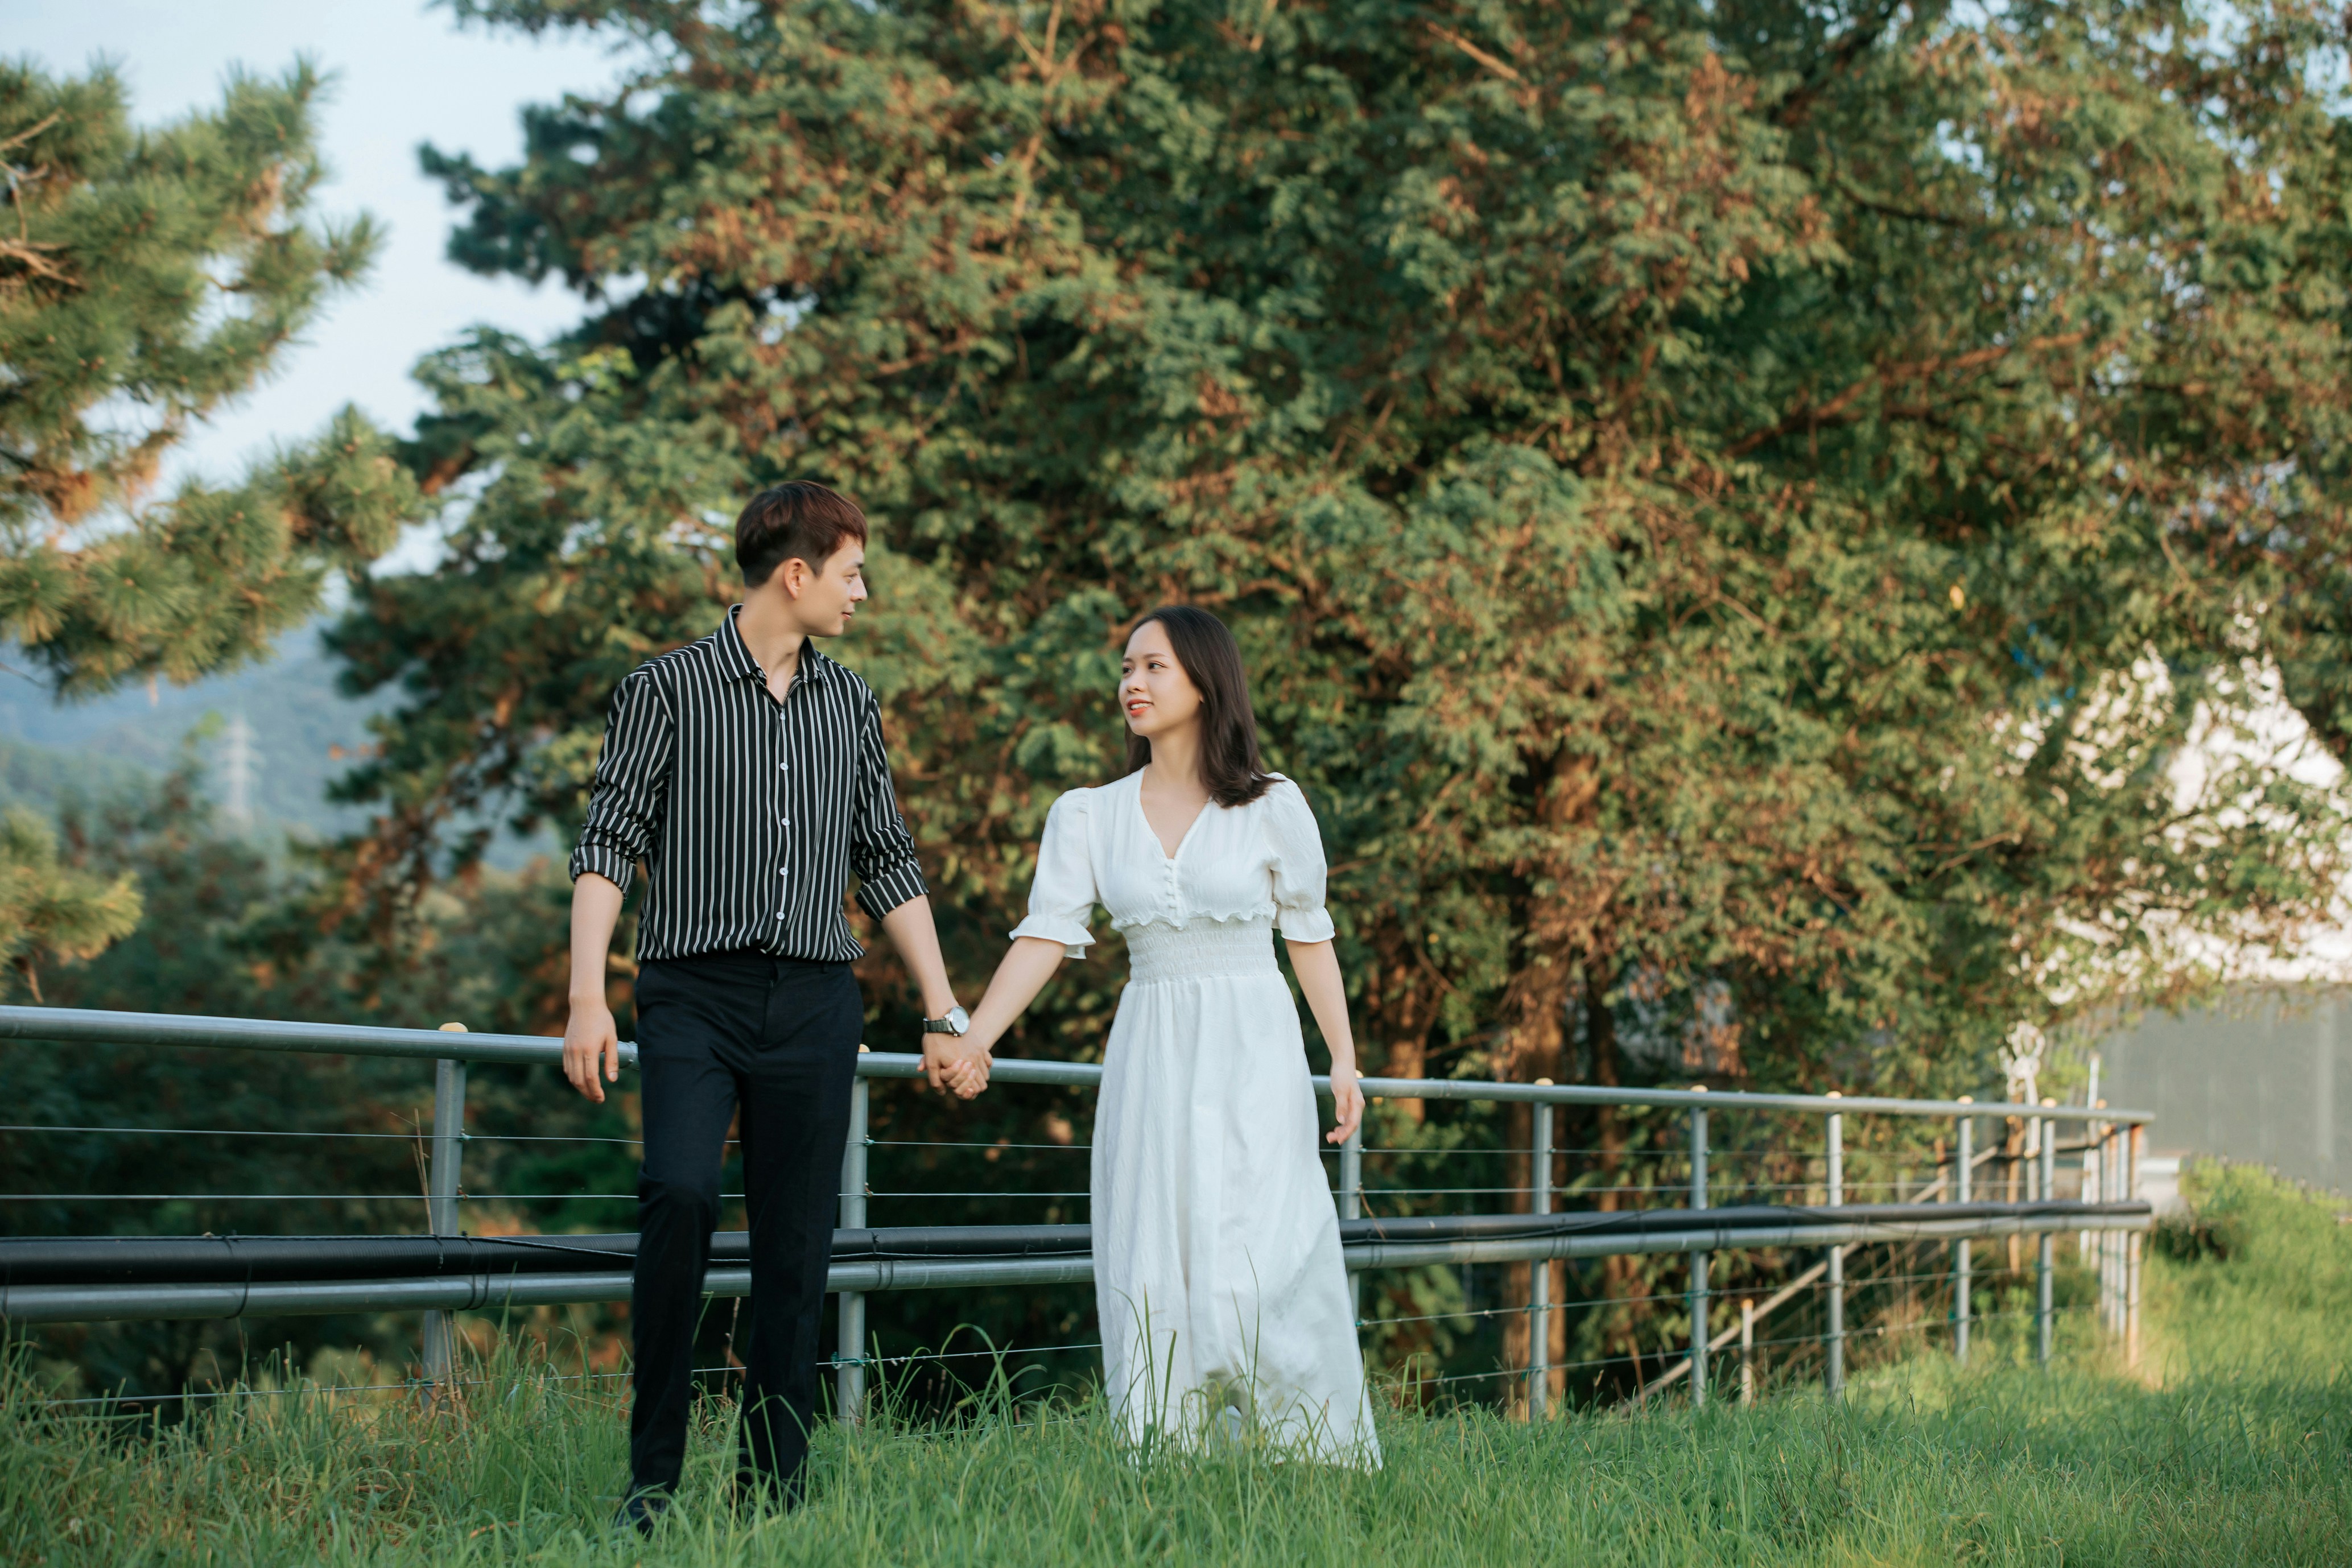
1307 925
1295 925
1255 913
1075 938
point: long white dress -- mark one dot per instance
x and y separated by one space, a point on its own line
1223 1297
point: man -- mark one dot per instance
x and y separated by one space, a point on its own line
748 772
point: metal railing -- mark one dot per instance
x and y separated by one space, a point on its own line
117 1281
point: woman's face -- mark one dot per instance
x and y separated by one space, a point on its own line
1154 692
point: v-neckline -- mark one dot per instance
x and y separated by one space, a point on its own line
1154 834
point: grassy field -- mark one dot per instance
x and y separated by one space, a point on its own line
2233 1445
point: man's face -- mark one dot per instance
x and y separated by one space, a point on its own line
824 597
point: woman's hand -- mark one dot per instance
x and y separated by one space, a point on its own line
1347 1104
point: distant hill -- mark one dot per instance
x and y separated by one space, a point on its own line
295 721
45 779
301 733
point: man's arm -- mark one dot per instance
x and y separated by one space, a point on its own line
890 888
591 1033
948 1061
625 806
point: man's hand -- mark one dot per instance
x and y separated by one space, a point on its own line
590 1032
588 1035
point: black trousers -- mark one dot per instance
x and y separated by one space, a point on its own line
776 1037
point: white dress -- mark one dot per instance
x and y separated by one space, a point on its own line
1218 1276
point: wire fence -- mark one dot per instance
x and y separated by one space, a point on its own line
1563 1315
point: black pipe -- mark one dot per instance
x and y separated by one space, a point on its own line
131 1260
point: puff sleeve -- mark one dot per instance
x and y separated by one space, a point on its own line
1298 865
1062 895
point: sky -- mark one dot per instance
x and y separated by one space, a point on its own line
405 74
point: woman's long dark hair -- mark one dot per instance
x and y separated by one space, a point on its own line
1213 660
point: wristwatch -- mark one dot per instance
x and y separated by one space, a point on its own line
957 1022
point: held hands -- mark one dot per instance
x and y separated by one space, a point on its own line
1346 1104
961 1062
956 1062
588 1036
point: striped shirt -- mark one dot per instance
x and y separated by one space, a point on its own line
750 814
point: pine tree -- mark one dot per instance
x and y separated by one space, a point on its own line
146 277
51 912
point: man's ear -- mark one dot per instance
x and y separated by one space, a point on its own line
792 577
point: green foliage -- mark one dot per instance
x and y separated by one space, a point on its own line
2239 1458
2262 1251
1734 512
149 278
51 912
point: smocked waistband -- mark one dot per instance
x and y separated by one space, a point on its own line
1201 951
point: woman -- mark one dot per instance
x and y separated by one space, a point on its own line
1224 1299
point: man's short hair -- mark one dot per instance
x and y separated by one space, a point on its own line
800 519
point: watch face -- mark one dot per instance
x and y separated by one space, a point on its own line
959 1020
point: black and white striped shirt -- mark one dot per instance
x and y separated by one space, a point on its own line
749 814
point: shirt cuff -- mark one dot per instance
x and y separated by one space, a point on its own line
879 894
1307 925
606 862
1072 935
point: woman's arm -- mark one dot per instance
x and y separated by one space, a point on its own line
1023 974
1317 964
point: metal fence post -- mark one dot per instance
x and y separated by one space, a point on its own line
2118 1243
849 1357
1699 1259
1747 1351
1837 1256
2105 1238
2132 1253
2119 1146
1539 1269
2044 1258
1961 1259
441 1200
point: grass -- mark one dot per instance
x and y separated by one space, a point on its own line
2233 1445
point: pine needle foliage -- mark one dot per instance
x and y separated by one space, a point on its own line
146 278
50 912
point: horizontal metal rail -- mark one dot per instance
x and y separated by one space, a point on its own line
81 1027
283 1259
1495 1239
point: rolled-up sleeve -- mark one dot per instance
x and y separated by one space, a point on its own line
881 850
632 782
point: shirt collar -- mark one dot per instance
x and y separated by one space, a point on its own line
737 661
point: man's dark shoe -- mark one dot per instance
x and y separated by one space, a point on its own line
640 1511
